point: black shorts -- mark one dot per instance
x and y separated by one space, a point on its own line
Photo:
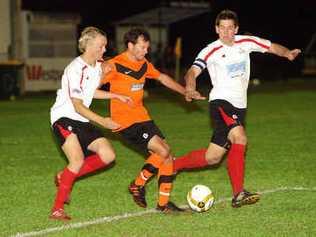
225 117
85 132
139 134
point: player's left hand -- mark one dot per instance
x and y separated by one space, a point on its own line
292 54
108 123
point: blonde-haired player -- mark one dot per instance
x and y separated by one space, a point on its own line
83 144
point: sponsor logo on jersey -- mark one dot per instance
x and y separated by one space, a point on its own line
137 87
236 69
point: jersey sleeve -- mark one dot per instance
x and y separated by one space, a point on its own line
152 72
200 60
256 44
74 77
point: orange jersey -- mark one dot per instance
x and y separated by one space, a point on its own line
128 78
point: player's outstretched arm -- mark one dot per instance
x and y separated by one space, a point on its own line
189 95
167 81
190 88
101 94
282 51
89 114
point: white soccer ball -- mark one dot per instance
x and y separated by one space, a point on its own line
200 198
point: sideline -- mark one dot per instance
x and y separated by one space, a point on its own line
108 219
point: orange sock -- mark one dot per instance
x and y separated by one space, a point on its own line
164 193
165 178
150 168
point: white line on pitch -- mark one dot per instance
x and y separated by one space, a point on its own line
107 219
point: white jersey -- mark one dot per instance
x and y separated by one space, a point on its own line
229 67
80 80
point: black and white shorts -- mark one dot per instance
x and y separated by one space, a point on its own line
139 134
224 117
85 132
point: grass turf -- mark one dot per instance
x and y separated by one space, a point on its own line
281 153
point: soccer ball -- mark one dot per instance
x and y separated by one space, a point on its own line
200 198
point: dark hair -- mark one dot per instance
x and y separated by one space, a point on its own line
133 34
227 15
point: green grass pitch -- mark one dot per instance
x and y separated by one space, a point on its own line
280 163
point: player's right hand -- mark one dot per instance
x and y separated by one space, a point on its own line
108 123
106 67
292 54
193 94
188 95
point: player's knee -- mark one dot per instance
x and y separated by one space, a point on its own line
107 155
164 153
111 157
76 163
238 139
238 136
213 159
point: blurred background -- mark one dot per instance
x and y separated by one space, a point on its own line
39 38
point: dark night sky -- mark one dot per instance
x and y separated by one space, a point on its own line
291 23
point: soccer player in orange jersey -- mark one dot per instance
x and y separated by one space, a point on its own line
130 70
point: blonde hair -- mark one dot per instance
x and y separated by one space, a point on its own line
88 34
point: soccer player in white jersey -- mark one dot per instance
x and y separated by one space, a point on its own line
83 144
227 61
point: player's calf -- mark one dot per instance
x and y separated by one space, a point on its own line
57 183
